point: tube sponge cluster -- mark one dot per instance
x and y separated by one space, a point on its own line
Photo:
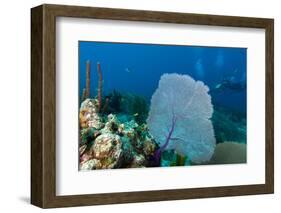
179 117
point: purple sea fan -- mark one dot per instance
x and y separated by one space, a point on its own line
179 117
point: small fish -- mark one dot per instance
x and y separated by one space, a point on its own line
218 86
128 70
136 114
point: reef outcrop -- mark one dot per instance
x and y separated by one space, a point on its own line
88 114
113 140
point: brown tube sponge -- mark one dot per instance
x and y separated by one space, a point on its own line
99 87
229 153
88 70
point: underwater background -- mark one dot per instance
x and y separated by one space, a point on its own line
122 78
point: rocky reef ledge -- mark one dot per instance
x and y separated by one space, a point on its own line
113 140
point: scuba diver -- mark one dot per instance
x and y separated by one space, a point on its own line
231 85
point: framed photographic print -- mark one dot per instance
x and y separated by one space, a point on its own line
135 106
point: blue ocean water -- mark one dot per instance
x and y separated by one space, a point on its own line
136 68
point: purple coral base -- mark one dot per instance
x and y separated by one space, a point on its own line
158 152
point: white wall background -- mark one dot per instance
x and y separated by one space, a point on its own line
15 105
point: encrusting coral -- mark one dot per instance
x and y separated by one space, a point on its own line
113 144
107 150
89 116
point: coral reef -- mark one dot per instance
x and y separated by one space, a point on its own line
105 106
229 153
114 103
106 142
229 125
134 105
138 161
179 117
107 150
120 131
109 138
88 114
126 103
